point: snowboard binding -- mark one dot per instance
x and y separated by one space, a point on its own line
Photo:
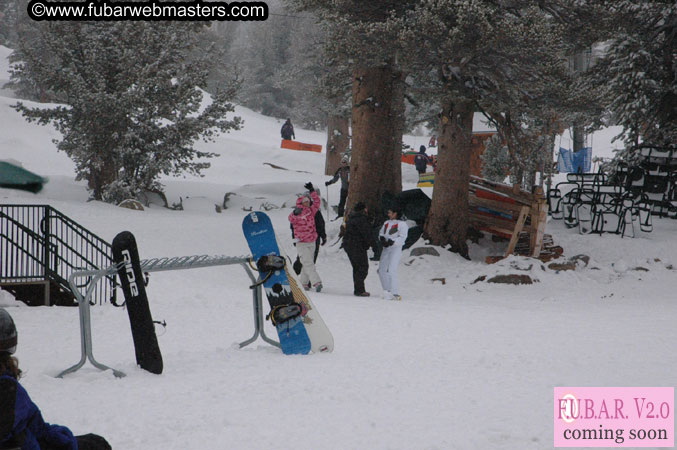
283 313
270 263
267 264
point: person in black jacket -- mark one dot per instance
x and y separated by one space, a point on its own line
359 236
342 173
421 161
287 130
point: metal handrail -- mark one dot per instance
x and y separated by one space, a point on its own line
59 246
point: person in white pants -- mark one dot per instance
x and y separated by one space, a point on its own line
392 236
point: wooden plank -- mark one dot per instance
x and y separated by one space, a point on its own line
502 232
295 145
538 222
491 220
521 196
518 228
483 210
493 204
493 195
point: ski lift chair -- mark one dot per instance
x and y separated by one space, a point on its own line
556 198
623 208
568 203
586 209
644 210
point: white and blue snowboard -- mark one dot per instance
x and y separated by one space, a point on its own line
258 230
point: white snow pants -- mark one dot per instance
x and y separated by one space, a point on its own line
387 268
306 251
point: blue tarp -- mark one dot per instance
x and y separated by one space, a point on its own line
569 161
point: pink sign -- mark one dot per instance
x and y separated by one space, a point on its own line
614 417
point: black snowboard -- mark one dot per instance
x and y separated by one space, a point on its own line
148 354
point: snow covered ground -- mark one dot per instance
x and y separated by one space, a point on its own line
462 365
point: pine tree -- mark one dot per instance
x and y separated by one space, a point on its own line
637 77
481 55
281 66
10 17
360 38
132 105
261 51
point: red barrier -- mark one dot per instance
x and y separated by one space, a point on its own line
294 145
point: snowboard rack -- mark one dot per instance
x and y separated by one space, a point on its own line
155 265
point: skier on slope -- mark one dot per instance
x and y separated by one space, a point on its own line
359 236
287 130
302 219
343 173
21 423
392 236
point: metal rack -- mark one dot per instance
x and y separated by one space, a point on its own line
155 265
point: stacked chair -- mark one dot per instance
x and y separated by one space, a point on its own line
597 203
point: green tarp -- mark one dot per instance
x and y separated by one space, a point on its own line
16 177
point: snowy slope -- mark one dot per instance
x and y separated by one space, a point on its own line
461 365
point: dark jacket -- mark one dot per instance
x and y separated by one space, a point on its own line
421 161
27 425
359 234
287 131
320 226
343 173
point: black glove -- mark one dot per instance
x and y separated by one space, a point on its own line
324 240
309 186
298 211
390 242
382 239
326 183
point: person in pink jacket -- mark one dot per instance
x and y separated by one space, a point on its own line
305 233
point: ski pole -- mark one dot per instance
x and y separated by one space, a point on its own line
327 188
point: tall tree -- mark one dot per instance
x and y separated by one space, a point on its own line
262 50
637 76
359 33
486 55
11 12
133 107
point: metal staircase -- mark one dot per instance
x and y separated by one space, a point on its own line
40 247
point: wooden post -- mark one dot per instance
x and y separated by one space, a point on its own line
524 213
539 218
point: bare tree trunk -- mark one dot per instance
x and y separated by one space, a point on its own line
377 125
99 178
580 65
338 139
448 219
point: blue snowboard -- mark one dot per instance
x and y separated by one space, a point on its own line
258 230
